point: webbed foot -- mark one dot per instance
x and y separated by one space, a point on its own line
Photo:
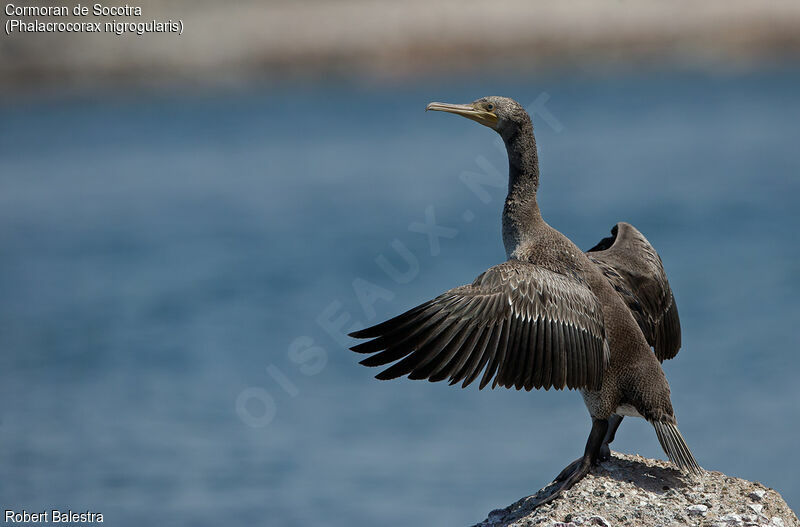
578 469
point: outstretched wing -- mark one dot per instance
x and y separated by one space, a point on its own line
635 270
520 324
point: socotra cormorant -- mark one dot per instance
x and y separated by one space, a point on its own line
550 316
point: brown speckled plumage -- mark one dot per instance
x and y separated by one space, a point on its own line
550 316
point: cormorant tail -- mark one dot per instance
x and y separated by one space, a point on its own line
675 447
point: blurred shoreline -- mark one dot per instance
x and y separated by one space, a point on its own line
226 45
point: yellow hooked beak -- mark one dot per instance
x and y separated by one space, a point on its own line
485 117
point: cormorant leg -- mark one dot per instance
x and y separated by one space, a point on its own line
613 423
605 452
580 467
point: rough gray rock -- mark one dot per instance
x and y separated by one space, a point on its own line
635 491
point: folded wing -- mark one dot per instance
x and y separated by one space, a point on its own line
519 324
635 270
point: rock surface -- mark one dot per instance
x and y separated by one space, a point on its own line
635 491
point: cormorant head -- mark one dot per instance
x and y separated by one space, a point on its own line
501 114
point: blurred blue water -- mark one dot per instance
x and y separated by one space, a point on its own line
159 256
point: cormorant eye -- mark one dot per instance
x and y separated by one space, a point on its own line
490 107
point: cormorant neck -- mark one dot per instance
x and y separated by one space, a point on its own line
521 215
523 161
